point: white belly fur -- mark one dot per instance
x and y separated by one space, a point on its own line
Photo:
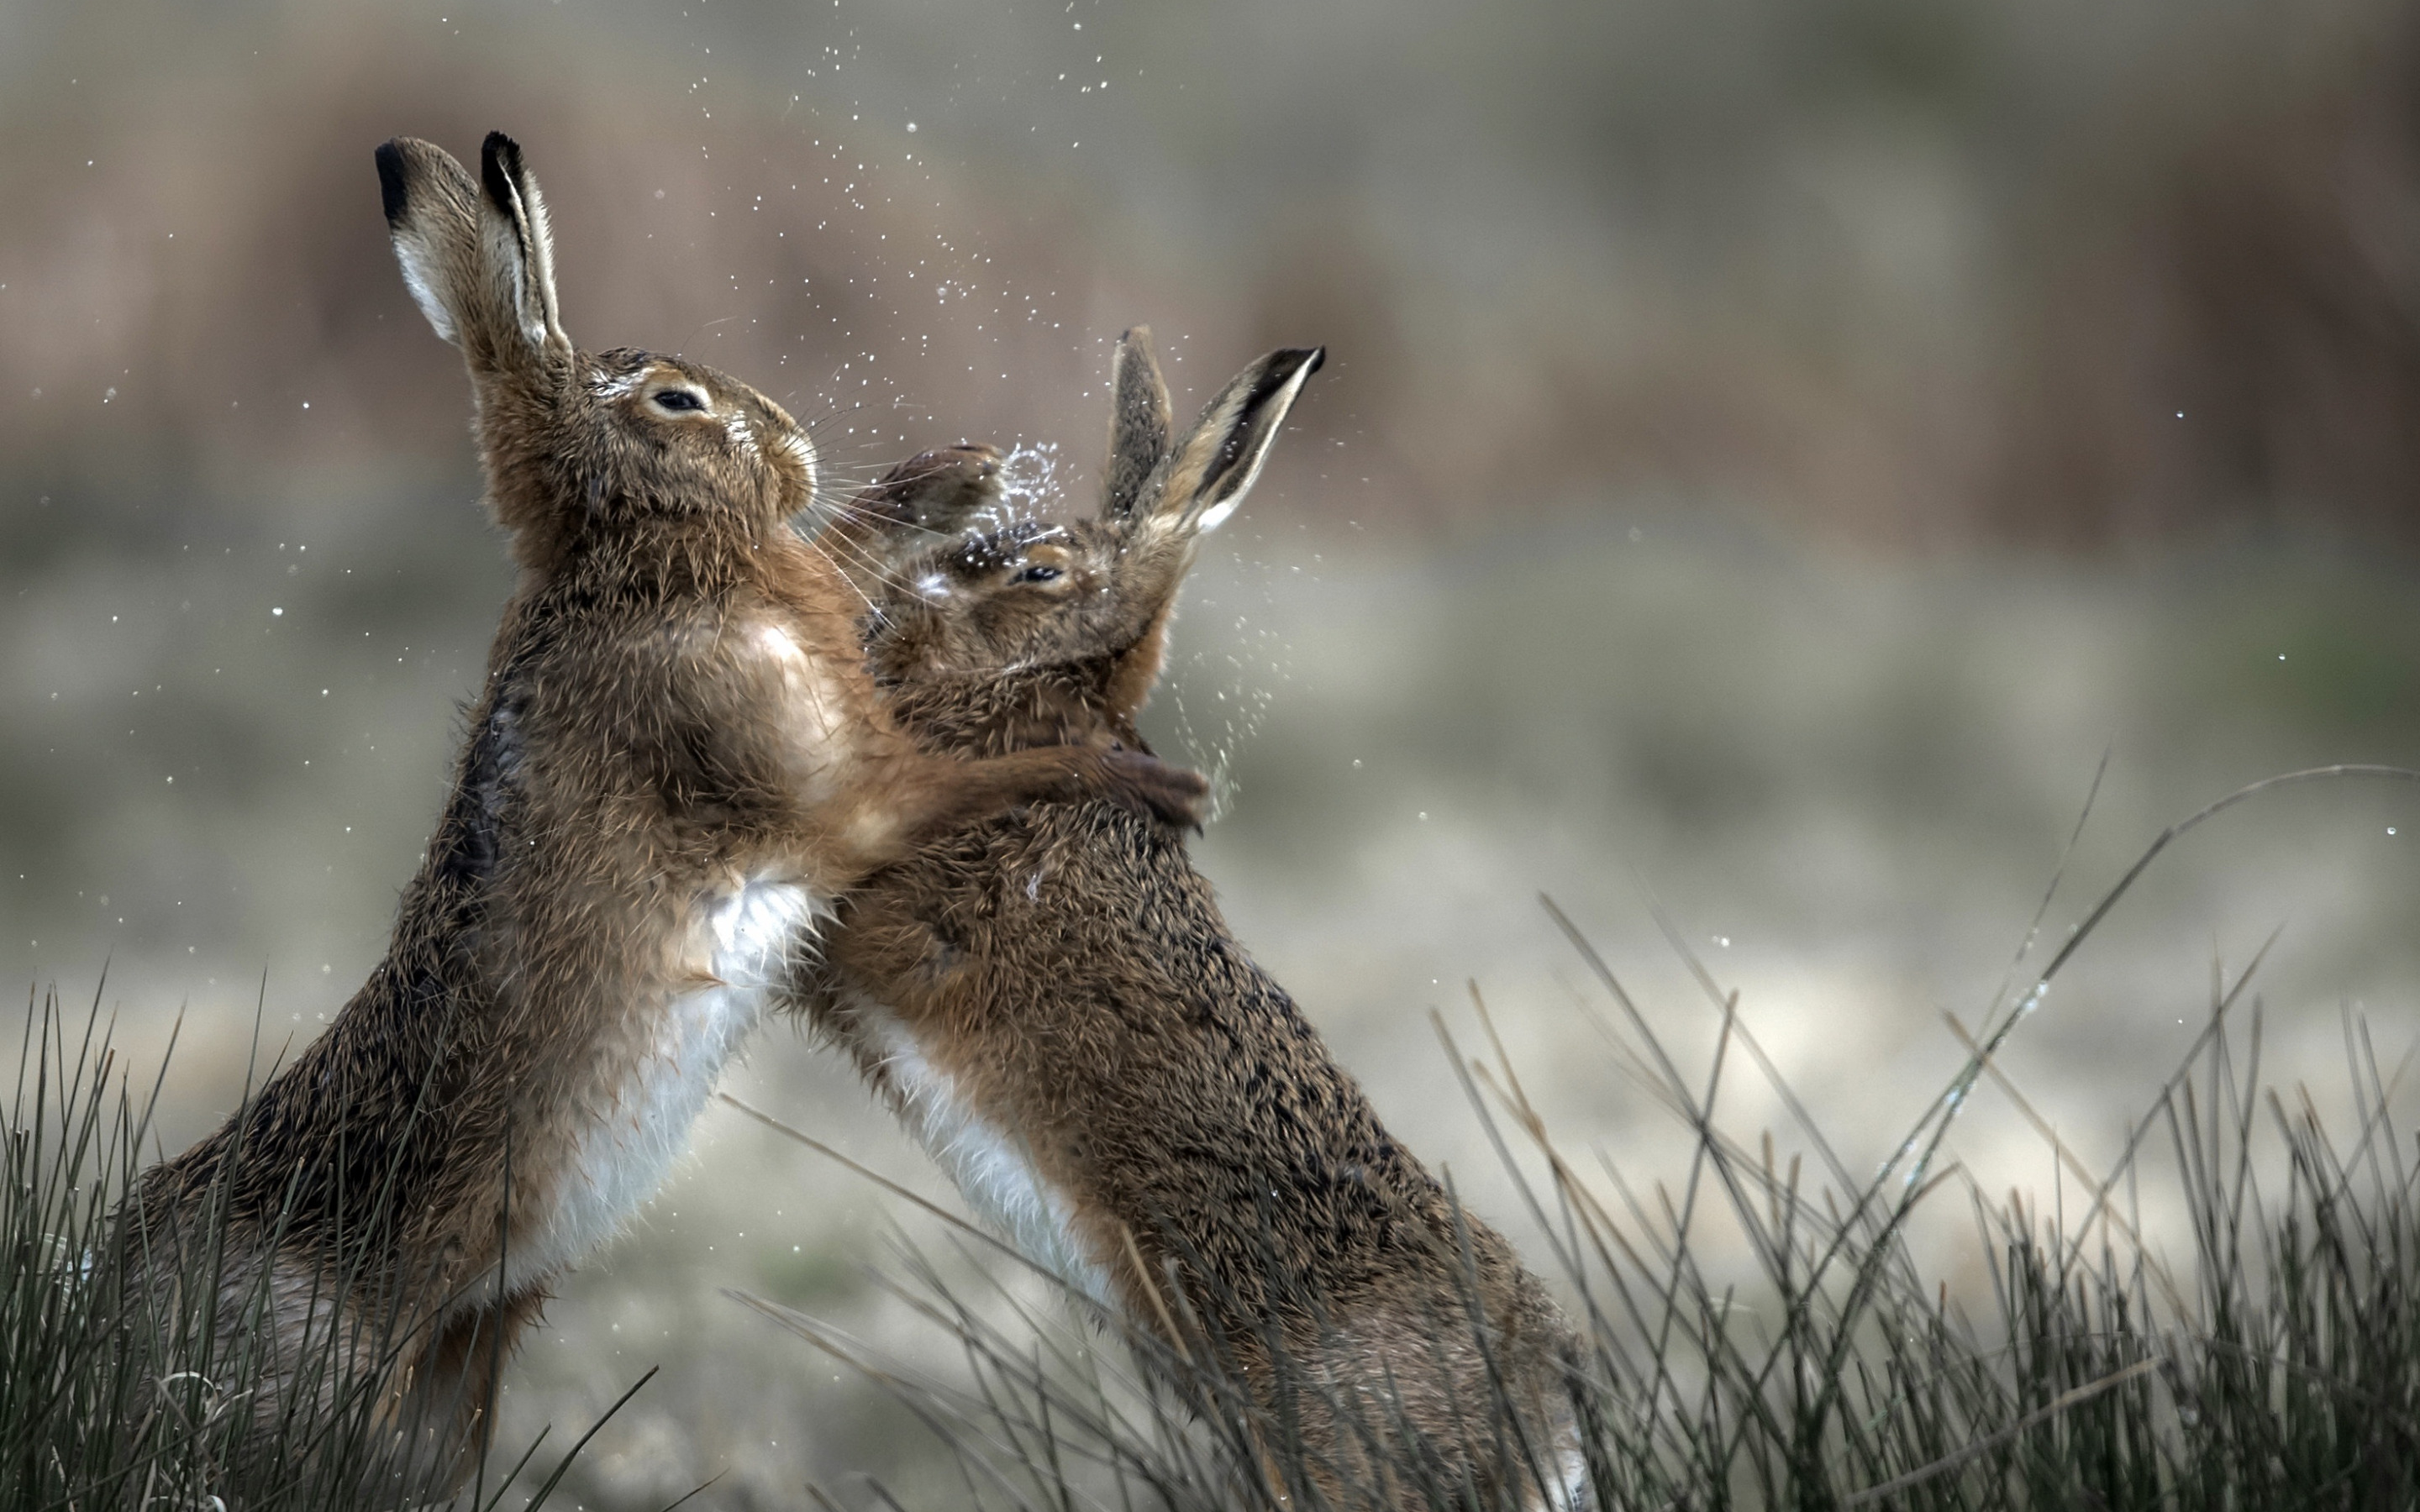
990 1168
628 1145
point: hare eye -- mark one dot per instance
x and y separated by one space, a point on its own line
678 400
1037 574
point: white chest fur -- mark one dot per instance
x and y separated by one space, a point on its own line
989 1167
630 1139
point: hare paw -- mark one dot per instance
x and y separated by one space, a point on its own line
1149 786
939 490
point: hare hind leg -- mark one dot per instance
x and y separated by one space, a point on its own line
441 1416
384 1399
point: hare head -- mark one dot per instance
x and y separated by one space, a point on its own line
1042 632
578 446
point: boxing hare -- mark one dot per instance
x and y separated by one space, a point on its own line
677 765
1053 1005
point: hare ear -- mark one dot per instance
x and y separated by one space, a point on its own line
432 215
480 266
1138 424
520 243
1192 490
1220 458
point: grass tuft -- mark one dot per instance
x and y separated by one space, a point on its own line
2277 1365
2272 1361
119 1395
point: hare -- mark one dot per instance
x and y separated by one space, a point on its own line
1052 1004
678 765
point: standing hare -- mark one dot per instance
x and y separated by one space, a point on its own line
1053 1005
676 767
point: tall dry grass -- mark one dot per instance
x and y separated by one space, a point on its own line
2274 1364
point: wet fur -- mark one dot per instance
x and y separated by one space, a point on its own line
1056 991
676 765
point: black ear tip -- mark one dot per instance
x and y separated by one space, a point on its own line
393 193
1318 359
500 169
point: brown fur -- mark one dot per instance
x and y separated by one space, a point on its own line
676 726
1063 977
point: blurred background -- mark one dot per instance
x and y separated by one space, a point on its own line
1773 453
